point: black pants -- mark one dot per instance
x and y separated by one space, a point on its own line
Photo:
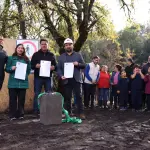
136 99
123 99
144 102
129 100
89 94
16 102
69 88
114 97
148 101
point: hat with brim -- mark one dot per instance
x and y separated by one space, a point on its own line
68 41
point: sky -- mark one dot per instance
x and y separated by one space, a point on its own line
140 14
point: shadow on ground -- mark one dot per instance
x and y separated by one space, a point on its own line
103 130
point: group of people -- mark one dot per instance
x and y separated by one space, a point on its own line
122 87
127 87
17 87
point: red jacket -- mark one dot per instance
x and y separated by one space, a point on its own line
104 80
147 80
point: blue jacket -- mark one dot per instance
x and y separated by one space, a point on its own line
123 85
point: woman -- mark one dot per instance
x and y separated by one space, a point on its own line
114 97
17 87
104 85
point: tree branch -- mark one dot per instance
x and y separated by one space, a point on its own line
78 4
66 18
56 35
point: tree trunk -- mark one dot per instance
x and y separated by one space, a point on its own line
21 19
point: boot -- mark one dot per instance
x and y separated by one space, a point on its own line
82 116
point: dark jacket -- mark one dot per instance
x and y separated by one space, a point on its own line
129 70
137 83
64 58
38 56
145 68
123 85
147 87
17 83
3 60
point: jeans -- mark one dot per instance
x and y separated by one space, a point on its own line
69 88
89 94
38 84
114 97
103 96
75 100
16 102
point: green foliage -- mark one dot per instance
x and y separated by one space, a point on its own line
108 51
134 42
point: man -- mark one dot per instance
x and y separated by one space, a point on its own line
129 72
146 66
3 60
91 78
72 84
145 71
129 68
39 82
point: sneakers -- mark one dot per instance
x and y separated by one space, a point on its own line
13 118
86 107
82 116
122 109
21 118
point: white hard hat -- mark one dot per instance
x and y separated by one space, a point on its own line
69 41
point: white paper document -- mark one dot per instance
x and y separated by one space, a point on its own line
45 68
68 70
20 72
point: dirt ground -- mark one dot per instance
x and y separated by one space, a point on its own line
102 130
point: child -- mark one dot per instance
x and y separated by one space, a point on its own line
147 88
104 85
17 87
136 88
114 82
123 90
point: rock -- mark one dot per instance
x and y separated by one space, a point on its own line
51 109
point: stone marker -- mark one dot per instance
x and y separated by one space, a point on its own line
50 109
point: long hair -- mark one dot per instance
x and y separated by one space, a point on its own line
23 56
